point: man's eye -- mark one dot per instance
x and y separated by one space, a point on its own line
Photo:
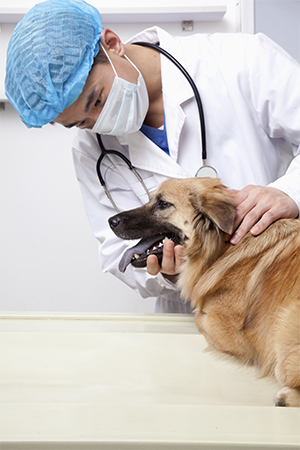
81 124
97 102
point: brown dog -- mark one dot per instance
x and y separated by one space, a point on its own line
246 297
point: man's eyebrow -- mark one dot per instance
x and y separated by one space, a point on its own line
90 100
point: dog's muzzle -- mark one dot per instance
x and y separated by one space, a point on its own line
130 225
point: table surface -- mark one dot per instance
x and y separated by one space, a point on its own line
138 381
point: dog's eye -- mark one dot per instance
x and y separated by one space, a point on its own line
163 204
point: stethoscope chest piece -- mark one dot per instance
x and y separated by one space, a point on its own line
206 171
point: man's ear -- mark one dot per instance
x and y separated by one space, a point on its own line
111 41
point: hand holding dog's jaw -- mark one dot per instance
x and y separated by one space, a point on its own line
172 260
258 207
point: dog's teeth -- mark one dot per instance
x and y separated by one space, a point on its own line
136 256
165 239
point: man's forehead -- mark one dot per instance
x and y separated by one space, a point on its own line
67 117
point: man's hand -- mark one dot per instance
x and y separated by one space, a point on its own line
172 259
258 207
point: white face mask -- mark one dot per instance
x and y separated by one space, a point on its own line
125 108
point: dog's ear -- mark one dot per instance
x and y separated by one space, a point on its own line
217 205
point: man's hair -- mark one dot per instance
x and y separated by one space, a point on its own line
100 58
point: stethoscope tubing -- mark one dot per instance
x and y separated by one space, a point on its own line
105 152
193 86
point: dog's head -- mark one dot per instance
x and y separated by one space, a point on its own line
176 210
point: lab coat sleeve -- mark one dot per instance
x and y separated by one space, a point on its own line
98 209
275 90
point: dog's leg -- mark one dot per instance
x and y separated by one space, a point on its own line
222 329
287 369
288 397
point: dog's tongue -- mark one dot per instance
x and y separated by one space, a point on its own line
140 248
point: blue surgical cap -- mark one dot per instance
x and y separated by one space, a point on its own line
49 57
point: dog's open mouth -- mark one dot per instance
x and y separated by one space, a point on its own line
137 255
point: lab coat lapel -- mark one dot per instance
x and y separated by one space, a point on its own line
144 154
174 121
176 91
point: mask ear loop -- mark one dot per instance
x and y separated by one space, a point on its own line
109 60
113 65
133 65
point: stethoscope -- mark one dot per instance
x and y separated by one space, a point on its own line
203 171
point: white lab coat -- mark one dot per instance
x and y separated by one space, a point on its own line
250 90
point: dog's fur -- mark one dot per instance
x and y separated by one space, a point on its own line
246 297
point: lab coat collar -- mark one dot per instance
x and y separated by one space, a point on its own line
148 35
170 43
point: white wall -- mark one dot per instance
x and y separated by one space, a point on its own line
280 20
49 259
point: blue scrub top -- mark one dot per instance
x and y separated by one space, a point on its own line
159 137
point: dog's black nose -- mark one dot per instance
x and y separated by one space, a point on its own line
114 221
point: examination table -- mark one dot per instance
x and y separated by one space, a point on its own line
91 381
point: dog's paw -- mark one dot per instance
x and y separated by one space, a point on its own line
288 397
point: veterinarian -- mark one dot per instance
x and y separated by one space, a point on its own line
250 89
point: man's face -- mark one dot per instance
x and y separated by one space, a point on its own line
85 111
